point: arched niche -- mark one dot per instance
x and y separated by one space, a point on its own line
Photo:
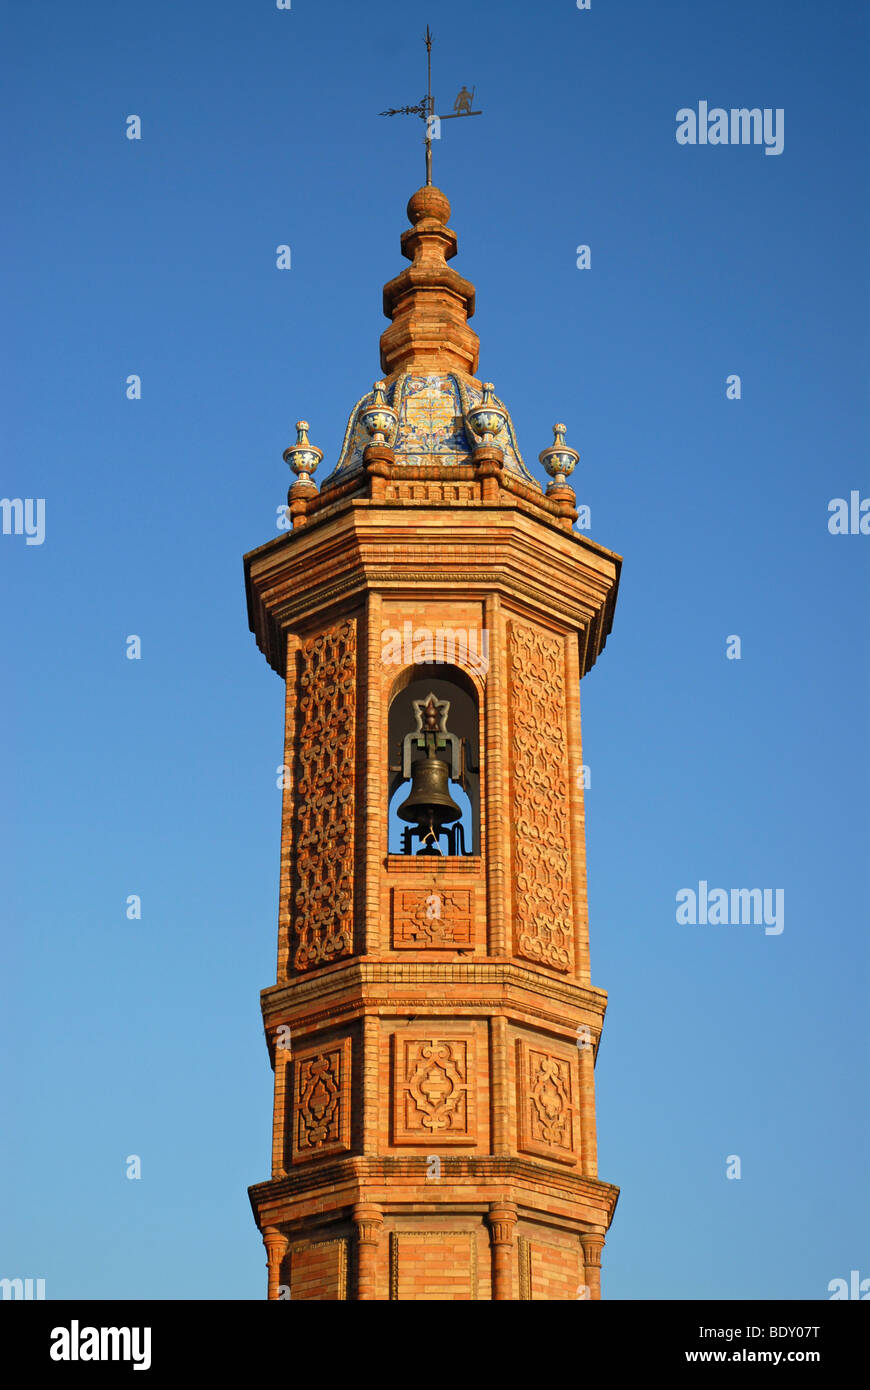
446 683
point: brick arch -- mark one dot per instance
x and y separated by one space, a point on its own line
462 674
451 682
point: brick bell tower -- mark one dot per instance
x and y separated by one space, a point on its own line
433 1027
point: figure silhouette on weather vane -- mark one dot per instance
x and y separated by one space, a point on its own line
425 108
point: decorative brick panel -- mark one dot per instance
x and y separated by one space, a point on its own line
548 1095
544 929
324 839
433 1266
432 918
437 492
525 1263
318 1271
320 1116
433 1090
555 1272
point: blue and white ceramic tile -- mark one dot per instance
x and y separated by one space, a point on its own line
431 426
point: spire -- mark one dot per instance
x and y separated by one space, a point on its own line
429 304
426 109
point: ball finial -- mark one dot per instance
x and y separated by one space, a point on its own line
303 456
488 418
377 417
428 201
559 460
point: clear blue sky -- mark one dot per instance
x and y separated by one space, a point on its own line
157 777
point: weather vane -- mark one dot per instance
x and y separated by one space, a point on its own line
426 108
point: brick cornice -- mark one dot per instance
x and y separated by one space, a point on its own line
398 1182
293 581
359 975
475 990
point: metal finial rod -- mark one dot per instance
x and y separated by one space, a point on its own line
426 107
430 107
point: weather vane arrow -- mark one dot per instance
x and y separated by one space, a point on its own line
425 108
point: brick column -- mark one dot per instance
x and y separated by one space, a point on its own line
502 1218
288 804
372 768
282 1101
578 812
276 1248
592 1247
368 1219
371 1080
298 497
379 460
588 1137
499 1091
489 460
496 792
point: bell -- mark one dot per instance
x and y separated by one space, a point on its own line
429 803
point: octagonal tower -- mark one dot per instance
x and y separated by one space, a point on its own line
433 1027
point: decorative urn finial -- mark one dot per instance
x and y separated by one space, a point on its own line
487 419
559 460
378 418
303 456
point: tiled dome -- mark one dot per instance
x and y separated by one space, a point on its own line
431 427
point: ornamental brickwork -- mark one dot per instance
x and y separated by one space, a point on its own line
433 1025
324 798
